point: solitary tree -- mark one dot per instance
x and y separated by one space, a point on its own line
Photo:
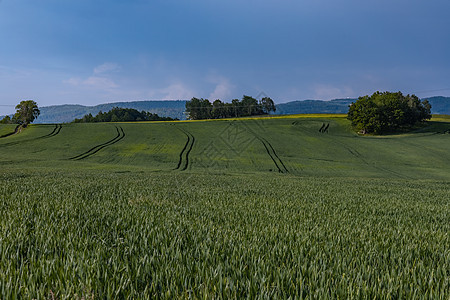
27 112
387 112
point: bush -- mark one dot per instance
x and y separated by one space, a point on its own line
387 112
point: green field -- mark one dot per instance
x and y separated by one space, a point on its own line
254 208
6 130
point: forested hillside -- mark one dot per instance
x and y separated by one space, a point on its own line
337 106
68 112
439 105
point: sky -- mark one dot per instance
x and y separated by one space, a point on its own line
91 52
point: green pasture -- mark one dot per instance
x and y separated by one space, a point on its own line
291 145
248 208
6 129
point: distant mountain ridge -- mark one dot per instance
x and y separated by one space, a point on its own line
336 106
69 112
439 105
175 109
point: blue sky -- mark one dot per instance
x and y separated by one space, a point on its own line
90 52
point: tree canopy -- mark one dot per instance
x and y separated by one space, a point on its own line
122 115
387 112
199 109
27 112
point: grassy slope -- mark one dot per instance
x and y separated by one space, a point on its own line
353 216
6 129
289 144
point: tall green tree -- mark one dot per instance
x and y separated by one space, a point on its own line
267 105
250 106
26 112
218 110
236 109
193 108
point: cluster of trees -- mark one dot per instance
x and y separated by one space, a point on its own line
7 120
387 112
26 112
199 109
122 115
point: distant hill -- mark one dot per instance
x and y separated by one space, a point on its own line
439 105
69 112
337 106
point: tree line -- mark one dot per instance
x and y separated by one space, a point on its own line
198 109
387 112
117 114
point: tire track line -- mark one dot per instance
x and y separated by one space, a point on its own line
184 149
276 155
54 132
358 155
189 150
93 150
11 133
268 152
271 152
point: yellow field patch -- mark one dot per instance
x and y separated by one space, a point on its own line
132 149
441 118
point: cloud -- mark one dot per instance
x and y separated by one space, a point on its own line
176 91
99 80
222 89
106 67
95 82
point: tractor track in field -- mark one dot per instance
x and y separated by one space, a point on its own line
271 152
358 155
186 150
93 150
273 155
182 151
54 132
276 155
268 152
355 153
11 133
